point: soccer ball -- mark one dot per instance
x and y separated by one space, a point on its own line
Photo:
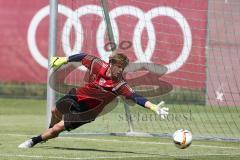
182 138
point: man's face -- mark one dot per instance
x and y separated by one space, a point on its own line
116 70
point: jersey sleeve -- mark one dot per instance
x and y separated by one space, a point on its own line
126 91
87 61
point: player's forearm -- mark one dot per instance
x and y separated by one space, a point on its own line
138 99
158 109
142 101
76 57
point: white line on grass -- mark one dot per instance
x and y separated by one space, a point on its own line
73 158
113 157
132 142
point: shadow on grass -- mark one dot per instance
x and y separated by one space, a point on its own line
95 150
154 156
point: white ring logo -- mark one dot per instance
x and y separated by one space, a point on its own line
144 21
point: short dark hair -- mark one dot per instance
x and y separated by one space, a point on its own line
119 58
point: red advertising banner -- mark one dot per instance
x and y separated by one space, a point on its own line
163 32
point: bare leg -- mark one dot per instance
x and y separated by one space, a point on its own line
47 134
56 117
54 131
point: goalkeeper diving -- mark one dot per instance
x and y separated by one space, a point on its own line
83 104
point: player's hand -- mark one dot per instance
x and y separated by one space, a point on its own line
160 109
57 62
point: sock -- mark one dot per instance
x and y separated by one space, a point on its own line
37 139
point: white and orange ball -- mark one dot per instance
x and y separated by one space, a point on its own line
182 138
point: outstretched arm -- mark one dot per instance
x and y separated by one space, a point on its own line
128 92
159 109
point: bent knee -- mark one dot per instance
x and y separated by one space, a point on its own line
56 112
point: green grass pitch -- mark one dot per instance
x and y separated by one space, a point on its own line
20 119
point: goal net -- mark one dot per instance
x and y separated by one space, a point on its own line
183 52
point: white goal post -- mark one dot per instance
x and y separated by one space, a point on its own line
52 49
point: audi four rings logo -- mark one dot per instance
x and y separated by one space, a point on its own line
144 22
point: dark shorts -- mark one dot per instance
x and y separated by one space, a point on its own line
69 107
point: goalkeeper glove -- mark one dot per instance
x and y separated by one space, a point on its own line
57 62
160 110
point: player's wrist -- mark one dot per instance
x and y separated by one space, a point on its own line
153 107
65 60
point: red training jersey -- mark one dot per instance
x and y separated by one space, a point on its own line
100 89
